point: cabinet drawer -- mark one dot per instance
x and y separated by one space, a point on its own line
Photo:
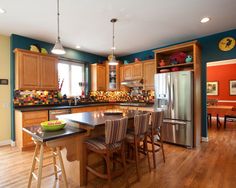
34 118
35 115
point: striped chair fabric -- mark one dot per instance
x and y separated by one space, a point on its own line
115 130
157 120
140 127
141 123
98 143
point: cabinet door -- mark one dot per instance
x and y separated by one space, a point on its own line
30 119
27 71
49 73
122 87
137 71
149 70
101 78
127 72
112 77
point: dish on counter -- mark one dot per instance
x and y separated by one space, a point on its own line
165 70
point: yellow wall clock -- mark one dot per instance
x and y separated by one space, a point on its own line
227 43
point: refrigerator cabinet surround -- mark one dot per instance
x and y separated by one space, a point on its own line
174 94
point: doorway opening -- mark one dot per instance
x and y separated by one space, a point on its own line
221 96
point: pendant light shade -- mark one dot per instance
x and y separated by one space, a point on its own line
112 60
58 48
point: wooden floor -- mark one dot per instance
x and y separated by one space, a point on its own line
213 165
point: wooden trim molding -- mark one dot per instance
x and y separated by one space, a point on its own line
205 139
5 142
224 62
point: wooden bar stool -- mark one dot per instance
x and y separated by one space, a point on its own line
39 149
112 143
139 134
156 131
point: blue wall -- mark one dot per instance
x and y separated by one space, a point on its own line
17 41
210 52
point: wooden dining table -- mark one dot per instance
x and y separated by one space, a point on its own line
219 110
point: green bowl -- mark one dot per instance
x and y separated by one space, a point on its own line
50 126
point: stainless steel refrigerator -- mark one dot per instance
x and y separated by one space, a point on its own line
174 93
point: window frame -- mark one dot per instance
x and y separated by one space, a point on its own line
70 63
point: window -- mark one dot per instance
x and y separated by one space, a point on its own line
72 75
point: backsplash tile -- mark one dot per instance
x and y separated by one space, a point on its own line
33 97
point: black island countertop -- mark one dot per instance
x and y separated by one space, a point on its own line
43 136
57 107
96 118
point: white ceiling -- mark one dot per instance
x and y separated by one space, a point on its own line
142 24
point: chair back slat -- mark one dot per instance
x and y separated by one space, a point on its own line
115 130
157 119
141 123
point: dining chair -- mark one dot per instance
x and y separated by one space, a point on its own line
112 143
137 135
230 117
155 135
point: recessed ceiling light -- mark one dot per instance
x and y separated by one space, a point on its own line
113 48
78 46
205 20
2 11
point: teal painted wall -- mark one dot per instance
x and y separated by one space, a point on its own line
210 52
17 41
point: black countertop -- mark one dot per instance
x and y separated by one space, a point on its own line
43 136
39 108
96 118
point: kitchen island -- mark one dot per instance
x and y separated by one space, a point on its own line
73 148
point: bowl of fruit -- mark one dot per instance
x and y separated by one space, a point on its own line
53 125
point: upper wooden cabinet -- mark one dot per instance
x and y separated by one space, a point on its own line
112 77
35 71
49 73
98 77
133 71
122 87
137 70
27 70
127 72
149 70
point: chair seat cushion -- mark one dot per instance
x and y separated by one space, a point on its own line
98 143
130 137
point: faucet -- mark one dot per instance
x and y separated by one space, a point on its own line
76 100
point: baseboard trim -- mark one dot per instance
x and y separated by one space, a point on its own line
5 142
205 139
13 143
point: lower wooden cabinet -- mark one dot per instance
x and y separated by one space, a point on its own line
92 108
24 119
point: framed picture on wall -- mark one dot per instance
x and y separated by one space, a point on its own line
212 88
232 87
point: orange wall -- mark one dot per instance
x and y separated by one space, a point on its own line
223 74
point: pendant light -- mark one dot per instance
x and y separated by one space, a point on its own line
112 59
58 48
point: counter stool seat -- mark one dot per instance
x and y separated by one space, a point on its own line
98 144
